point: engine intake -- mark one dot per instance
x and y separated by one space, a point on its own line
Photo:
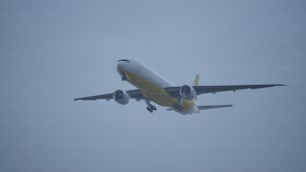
187 92
121 97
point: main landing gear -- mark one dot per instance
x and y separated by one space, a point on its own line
179 104
150 107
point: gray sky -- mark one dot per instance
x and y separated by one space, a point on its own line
54 51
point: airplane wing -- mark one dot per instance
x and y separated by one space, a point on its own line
174 91
213 106
205 107
136 94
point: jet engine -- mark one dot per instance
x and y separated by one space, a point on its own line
187 92
121 97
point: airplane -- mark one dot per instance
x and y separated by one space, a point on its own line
153 88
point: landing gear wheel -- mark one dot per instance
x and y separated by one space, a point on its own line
153 107
177 106
123 76
149 109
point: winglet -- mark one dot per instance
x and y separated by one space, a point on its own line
196 80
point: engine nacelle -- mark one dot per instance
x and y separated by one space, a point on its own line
121 97
187 92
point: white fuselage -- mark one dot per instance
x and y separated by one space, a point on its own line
152 85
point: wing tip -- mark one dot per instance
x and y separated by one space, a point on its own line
222 106
267 85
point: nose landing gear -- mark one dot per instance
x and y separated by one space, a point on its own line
123 76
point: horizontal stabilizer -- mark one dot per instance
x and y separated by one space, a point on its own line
213 106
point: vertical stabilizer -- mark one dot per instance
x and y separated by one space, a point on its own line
196 80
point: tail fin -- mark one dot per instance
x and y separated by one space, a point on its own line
196 80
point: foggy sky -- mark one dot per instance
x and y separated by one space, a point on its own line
54 51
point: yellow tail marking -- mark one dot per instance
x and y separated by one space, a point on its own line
196 80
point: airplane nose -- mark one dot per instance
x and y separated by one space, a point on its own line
120 66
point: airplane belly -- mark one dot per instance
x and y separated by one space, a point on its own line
160 99
158 94
152 91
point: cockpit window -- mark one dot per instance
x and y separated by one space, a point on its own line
123 60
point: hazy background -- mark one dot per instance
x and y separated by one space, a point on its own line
54 51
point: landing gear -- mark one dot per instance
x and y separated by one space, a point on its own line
178 106
123 77
150 107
